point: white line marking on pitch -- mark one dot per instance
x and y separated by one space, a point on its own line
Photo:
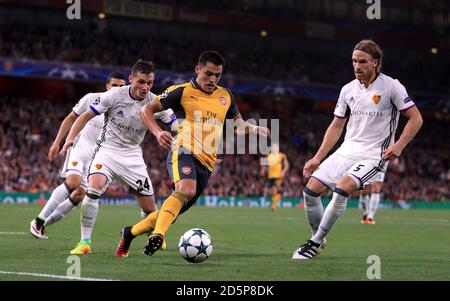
13 233
55 276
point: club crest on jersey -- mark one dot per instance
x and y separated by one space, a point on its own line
376 98
186 170
223 100
74 163
98 166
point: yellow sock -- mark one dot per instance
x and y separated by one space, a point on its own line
275 199
168 213
146 225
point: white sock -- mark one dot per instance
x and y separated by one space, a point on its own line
333 211
60 212
364 202
89 212
58 196
143 214
313 209
373 204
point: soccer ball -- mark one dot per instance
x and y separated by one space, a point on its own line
195 245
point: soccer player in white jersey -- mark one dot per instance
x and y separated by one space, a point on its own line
371 103
118 154
364 201
76 166
375 196
67 195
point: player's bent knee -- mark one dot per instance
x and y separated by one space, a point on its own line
148 204
97 181
188 192
316 186
273 191
342 192
77 195
94 193
349 184
183 197
310 192
72 183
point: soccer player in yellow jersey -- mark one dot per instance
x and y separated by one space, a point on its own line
193 152
277 166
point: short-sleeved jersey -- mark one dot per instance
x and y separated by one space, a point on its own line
204 116
123 128
373 116
90 133
275 164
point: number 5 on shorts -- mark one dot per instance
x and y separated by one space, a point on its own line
357 168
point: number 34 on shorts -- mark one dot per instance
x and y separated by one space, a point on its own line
143 184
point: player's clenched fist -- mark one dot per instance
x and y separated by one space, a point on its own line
392 152
164 139
53 152
310 166
66 146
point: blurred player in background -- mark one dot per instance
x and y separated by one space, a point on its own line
364 201
193 152
371 103
375 196
118 154
66 196
277 168
374 201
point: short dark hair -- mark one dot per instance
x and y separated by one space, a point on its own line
373 49
211 56
116 75
145 67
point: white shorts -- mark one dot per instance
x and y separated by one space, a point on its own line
77 162
336 166
126 166
379 177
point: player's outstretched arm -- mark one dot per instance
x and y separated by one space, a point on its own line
243 127
147 116
330 139
76 128
413 126
63 129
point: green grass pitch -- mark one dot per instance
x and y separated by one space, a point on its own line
249 244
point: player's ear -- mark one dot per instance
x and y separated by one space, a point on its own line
377 62
130 78
197 69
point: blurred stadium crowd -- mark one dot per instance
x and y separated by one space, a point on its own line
307 63
28 127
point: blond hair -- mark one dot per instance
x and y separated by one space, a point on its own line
373 49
